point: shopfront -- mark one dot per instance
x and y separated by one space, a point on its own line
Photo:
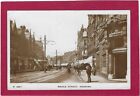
120 63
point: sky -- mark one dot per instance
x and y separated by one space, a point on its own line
59 26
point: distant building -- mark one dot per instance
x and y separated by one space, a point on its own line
56 60
69 56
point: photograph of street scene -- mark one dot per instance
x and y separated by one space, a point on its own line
68 47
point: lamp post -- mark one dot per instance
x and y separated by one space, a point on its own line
58 60
45 43
44 46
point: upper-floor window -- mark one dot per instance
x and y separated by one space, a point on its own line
85 34
85 42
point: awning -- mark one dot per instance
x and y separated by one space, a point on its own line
88 60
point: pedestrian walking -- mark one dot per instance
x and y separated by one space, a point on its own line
74 68
93 68
78 70
69 68
88 71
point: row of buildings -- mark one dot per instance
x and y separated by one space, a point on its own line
63 60
23 48
105 39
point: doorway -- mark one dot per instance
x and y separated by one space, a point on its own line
120 65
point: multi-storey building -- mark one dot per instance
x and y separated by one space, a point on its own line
82 43
100 35
23 47
107 43
117 38
39 49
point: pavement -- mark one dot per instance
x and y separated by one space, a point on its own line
99 78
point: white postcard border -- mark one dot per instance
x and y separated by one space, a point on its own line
74 86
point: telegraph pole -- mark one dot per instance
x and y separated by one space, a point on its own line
44 46
56 57
44 53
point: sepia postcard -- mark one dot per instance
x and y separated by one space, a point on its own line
69 48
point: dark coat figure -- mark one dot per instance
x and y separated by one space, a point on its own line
75 68
88 71
68 68
45 66
94 69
